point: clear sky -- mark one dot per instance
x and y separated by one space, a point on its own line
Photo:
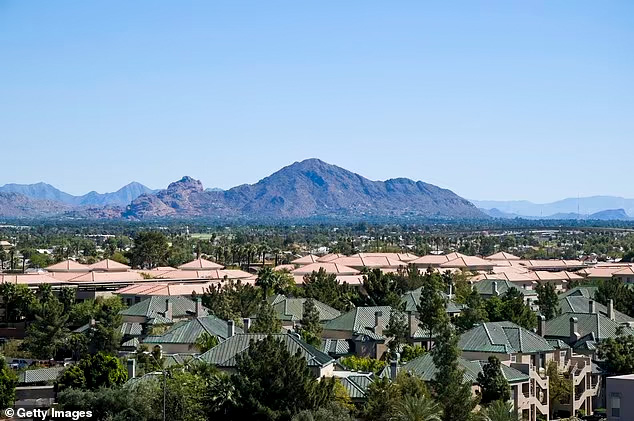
492 99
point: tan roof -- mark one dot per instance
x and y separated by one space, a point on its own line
553 264
31 279
628 271
306 260
330 257
368 262
203 274
353 280
106 277
109 265
467 262
600 272
68 266
335 268
503 256
403 257
542 275
436 259
284 267
200 264
165 289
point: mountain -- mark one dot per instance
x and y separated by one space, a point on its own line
605 215
583 206
16 205
306 189
43 191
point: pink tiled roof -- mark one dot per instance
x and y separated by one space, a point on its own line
327 267
541 275
68 266
165 289
306 260
403 257
369 262
467 262
200 264
628 271
330 257
284 267
31 279
109 265
203 274
354 280
503 256
106 277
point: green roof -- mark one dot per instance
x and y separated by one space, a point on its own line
581 304
412 298
155 306
425 368
131 329
177 360
39 375
486 287
587 292
356 385
336 347
187 331
224 354
597 325
504 338
293 308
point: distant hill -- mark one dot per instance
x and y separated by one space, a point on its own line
583 206
43 191
606 215
15 205
306 189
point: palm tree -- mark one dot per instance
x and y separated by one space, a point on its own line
498 411
268 279
413 408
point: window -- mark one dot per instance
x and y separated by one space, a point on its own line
615 404
562 356
137 300
513 358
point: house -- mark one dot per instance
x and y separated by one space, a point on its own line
488 288
361 262
411 300
306 260
356 384
468 263
586 291
138 292
200 264
223 355
362 329
330 268
108 265
519 349
502 256
619 393
434 260
181 337
68 266
161 310
291 310
625 275
581 304
403 257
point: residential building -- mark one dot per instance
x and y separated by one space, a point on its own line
291 310
162 310
620 397
488 288
411 300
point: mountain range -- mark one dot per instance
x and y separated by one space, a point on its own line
584 208
306 189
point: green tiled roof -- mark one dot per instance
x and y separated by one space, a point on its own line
131 343
485 287
356 385
359 319
336 347
177 360
587 323
155 305
424 368
412 298
131 329
187 331
558 344
224 354
581 304
39 375
587 292
293 308
502 337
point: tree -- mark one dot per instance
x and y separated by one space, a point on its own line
380 289
267 279
330 412
396 329
8 382
93 372
324 287
205 342
150 249
622 296
453 393
547 300
310 324
417 409
18 301
48 333
515 310
559 387
618 353
386 396
364 364
410 352
275 384
499 411
494 385
266 320
474 312
432 306
67 297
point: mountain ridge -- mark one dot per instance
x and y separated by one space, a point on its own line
583 205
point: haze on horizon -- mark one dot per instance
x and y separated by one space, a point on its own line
493 100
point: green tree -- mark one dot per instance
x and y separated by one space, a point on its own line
547 300
410 352
386 396
499 411
266 320
150 250
8 382
67 297
417 409
432 306
559 387
474 312
622 295
364 364
452 392
380 289
515 310
310 324
274 384
330 412
397 330
205 342
494 385
48 333
618 353
324 287
18 301
267 279
93 372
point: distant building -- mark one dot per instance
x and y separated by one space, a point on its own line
620 397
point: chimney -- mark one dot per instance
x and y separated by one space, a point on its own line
131 366
411 324
378 329
246 324
494 287
199 308
591 307
93 323
541 325
611 309
450 295
394 368
574 330
231 328
168 309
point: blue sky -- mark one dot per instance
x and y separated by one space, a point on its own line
492 99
